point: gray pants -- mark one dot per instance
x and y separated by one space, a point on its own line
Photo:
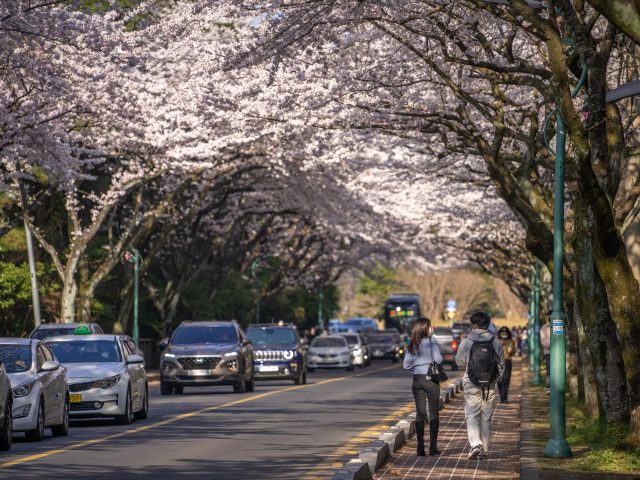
477 411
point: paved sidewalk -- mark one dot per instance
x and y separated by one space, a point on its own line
503 461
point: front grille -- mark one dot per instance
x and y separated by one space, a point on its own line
81 406
199 377
326 355
199 363
80 387
269 355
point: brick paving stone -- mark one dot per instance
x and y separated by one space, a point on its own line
502 462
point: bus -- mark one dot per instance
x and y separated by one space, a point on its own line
401 311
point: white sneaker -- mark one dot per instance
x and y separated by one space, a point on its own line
475 451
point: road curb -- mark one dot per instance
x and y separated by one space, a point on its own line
375 455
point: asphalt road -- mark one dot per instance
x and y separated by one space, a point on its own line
280 431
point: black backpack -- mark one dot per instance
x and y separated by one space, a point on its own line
482 367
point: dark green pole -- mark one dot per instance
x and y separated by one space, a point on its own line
254 266
531 312
536 328
558 445
136 266
320 297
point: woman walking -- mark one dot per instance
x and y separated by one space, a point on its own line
509 348
422 350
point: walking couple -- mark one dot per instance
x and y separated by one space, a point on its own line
482 356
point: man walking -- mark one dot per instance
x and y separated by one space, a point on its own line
483 358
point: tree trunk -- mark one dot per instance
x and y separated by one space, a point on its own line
588 394
592 304
68 301
572 343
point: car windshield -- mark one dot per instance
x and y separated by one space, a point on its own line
204 335
263 336
88 351
442 331
328 342
351 340
16 358
382 340
354 321
42 333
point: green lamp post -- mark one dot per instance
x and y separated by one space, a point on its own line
536 327
134 257
254 271
531 313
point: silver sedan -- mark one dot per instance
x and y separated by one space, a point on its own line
105 378
39 384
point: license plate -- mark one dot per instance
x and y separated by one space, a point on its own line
197 373
264 368
75 398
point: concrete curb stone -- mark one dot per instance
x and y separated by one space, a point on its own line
394 438
409 427
375 454
354 470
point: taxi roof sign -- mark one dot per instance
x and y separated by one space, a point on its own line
82 330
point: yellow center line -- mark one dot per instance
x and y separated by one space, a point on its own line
178 417
352 444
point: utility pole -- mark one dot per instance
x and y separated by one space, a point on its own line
34 279
133 256
254 267
532 312
320 298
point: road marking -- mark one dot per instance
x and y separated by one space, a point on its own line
179 417
351 444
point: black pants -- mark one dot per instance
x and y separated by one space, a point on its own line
503 386
547 361
424 390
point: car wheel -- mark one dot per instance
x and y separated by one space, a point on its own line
6 433
241 387
144 411
179 390
394 359
362 364
298 379
165 389
37 434
126 418
62 430
349 368
311 370
251 385
454 367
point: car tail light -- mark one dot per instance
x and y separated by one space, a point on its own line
454 345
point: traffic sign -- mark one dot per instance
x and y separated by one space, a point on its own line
451 314
451 304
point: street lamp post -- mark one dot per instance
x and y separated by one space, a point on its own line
133 256
320 298
254 267
531 313
536 328
34 279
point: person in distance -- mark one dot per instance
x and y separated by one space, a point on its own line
509 348
422 350
481 354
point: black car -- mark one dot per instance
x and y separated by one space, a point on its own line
461 330
279 352
204 354
385 346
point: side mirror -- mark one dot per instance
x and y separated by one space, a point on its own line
1 366
304 341
247 341
135 359
50 365
164 342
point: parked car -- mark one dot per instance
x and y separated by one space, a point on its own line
279 352
105 378
359 348
397 338
6 412
385 346
357 324
47 330
447 344
39 385
461 330
330 351
202 354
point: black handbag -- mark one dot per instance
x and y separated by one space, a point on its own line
436 370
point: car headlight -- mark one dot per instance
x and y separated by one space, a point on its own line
231 354
311 354
288 354
346 352
24 389
357 351
106 382
169 355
